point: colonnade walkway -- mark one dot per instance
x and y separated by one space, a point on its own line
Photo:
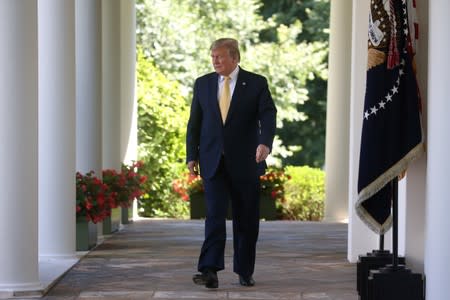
155 259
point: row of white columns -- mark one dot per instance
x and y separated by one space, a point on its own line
424 204
60 113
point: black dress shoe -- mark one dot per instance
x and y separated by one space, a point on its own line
207 278
246 280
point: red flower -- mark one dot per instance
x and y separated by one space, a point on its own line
273 194
96 197
142 179
89 205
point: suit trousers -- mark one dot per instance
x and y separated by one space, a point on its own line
244 196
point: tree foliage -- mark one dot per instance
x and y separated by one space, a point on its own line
310 132
314 15
290 68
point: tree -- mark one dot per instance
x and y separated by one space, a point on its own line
314 16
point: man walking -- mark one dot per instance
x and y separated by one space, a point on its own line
229 135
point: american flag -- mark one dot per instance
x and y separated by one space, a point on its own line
392 132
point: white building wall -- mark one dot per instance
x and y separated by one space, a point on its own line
416 177
437 237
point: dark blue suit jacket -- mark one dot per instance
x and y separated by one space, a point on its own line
251 121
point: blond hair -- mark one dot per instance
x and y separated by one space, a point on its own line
230 44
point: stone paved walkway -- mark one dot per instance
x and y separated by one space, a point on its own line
155 259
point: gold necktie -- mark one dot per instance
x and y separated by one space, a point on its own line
225 98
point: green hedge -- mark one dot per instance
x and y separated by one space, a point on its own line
304 194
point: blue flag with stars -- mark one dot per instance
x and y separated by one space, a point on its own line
392 132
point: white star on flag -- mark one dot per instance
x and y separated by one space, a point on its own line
394 90
373 110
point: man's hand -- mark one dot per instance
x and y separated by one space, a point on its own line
193 167
262 152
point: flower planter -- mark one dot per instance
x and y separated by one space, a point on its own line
111 224
267 207
197 206
126 215
86 235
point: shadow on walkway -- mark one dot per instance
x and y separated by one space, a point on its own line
155 259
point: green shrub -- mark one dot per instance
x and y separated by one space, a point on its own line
162 119
304 193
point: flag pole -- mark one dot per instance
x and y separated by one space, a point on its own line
395 223
394 281
381 242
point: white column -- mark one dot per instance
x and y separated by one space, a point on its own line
416 176
437 238
88 89
128 147
360 238
56 128
19 151
128 82
111 83
111 93
338 111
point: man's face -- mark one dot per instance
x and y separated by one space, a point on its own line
222 61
